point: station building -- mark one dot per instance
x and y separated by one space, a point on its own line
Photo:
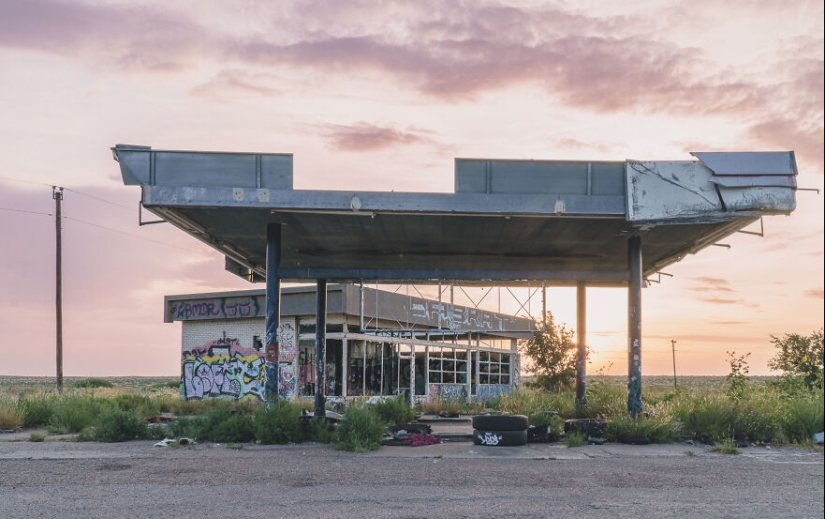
378 343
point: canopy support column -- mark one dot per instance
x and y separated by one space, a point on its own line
273 311
321 349
634 326
581 346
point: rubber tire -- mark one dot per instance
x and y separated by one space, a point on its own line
500 438
500 422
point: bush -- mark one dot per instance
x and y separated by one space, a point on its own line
92 383
116 425
575 439
73 414
11 416
394 411
802 416
361 430
220 424
37 412
320 430
238 428
281 423
654 428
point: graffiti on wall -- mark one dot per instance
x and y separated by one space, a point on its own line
461 318
288 346
452 392
490 392
217 308
223 368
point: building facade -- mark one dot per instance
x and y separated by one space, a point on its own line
378 343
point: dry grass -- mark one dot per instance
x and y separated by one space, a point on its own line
11 418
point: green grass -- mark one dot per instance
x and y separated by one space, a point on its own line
575 439
770 411
726 447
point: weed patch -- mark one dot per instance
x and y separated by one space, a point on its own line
362 430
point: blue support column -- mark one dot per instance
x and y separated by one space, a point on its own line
581 346
321 349
273 310
634 327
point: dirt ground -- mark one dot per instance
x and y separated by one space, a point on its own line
59 479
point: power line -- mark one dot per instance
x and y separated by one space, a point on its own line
101 199
127 234
24 211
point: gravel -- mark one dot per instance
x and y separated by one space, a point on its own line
58 479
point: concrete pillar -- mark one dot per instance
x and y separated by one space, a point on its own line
321 349
581 346
273 310
634 326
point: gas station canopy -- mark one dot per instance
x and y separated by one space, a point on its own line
508 221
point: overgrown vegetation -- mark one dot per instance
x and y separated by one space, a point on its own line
551 355
713 410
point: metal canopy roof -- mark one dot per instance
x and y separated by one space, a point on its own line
557 222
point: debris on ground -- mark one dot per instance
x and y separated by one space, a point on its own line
166 442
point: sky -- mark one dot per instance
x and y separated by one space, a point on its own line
384 95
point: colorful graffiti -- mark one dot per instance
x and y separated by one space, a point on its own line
223 369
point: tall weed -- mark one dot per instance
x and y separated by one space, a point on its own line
361 430
72 414
281 423
11 416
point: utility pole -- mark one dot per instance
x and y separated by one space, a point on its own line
673 349
57 194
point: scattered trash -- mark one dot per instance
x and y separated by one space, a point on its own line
166 442
819 437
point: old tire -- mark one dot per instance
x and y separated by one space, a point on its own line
500 438
499 422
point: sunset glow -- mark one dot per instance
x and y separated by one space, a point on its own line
383 96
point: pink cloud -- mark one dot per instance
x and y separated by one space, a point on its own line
368 137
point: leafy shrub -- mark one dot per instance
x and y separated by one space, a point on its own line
92 383
37 437
73 414
575 439
238 428
802 416
361 430
37 411
117 425
281 423
139 403
394 410
320 430
222 424
653 428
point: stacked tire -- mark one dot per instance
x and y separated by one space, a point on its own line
500 430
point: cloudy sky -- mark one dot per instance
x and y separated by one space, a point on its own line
381 95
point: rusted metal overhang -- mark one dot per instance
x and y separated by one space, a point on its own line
509 221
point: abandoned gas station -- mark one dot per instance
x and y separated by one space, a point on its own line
507 223
378 343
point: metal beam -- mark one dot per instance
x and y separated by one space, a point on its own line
634 327
273 311
488 277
